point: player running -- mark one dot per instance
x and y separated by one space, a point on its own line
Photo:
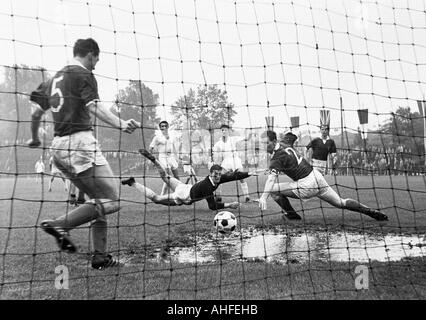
72 95
187 193
307 183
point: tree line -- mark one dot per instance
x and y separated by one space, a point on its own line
206 107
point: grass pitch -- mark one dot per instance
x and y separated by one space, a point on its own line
29 256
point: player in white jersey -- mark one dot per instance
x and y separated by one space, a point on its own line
165 146
225 153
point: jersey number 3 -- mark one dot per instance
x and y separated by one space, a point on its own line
290 150
56 90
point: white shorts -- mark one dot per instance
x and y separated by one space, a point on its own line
232 163
76 153
169 162
182 194
314 185
320 165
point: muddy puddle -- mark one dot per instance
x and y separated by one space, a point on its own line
284 247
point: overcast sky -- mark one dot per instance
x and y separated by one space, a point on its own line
273 58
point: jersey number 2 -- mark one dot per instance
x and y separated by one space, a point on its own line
56 90
299 159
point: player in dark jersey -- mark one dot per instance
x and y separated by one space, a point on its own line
307 181
72 96
187 193
321 149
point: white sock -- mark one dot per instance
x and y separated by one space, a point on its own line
144 190
244 186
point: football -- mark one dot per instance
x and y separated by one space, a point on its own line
225 222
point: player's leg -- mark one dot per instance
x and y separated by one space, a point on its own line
172 167
148 193
72 194
238 165
96 182
81 198
244 188
145 191
51 182
280 194
65 182
172 182
335 200
103 193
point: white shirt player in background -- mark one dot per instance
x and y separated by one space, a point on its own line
225 153
55 172
165 145
39 169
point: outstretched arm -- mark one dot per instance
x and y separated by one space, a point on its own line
214 205
269 184
35 125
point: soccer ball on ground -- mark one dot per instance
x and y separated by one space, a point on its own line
225 222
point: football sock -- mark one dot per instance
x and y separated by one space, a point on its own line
356 206
77 217
284 203
81 196
165 190
99 231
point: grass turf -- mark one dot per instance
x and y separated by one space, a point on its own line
29 256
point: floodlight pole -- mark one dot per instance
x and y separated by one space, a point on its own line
424 129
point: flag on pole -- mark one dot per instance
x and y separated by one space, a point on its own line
294 122
363 121
363 116
325 118
270 122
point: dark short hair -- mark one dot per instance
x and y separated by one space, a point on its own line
215 167
83 47
289 138
272 135
163 122
224 126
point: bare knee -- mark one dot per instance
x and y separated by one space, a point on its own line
105 206
341 203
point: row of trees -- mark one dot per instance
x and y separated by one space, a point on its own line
205 107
